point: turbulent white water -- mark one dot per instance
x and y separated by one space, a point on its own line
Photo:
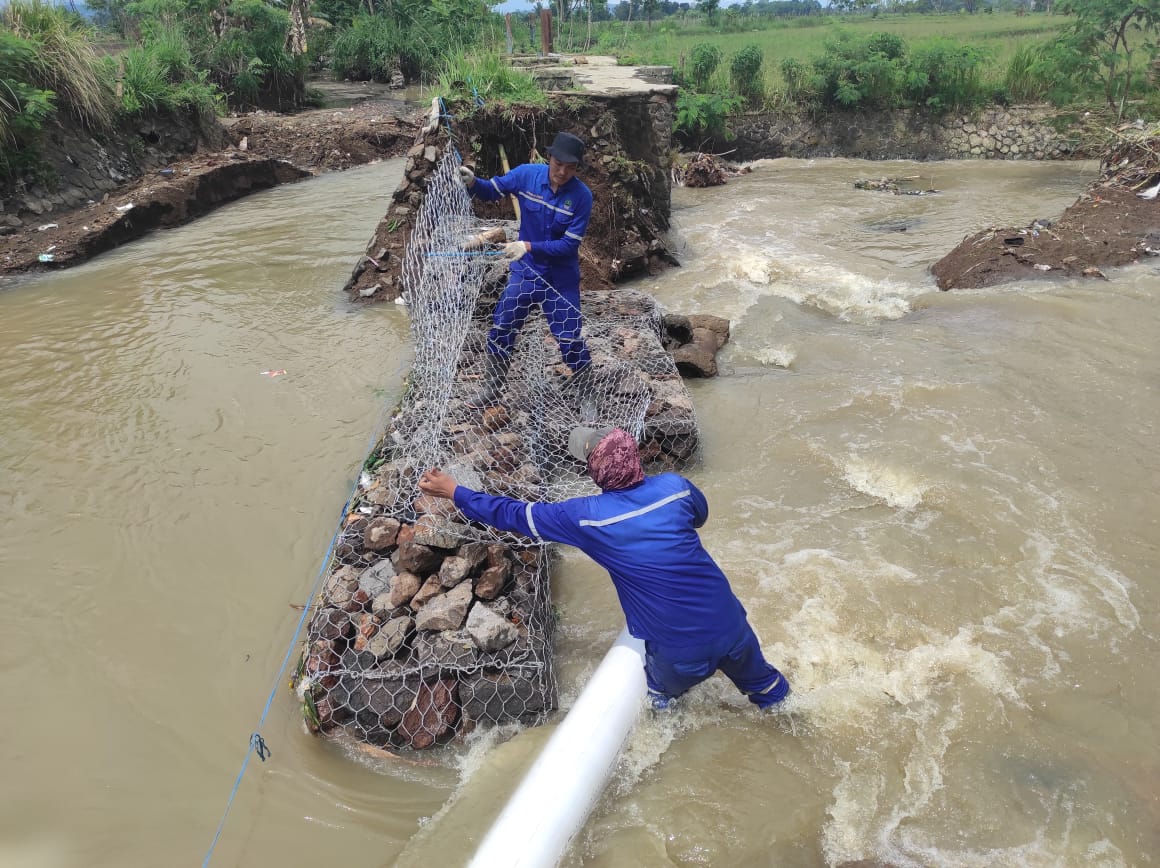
939 509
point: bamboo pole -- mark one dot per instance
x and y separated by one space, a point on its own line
503 160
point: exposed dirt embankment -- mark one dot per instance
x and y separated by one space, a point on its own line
1115 222
260 151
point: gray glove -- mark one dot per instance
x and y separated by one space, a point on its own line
466 176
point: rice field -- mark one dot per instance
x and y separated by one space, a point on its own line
670 42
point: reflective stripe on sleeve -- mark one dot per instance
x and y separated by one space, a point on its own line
625 516
532 522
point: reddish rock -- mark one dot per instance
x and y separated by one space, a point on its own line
366 628
413 557
404 586
425 504
489 585
381 534
431 588
331 624
433 715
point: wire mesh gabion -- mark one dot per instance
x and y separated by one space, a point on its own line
428 625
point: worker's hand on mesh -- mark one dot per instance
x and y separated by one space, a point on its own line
437 484
466 176
514 250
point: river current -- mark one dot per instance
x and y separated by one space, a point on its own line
940 509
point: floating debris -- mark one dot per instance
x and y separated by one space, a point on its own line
894 186
277 373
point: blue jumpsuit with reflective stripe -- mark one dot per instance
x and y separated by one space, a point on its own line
549 275
673 594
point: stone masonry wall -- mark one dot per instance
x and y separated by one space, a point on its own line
1012 133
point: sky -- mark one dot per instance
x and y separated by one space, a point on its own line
527 5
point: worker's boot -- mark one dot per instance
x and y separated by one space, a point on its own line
494 379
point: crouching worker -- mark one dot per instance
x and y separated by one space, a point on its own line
555 207
643 530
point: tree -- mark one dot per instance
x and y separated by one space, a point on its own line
1105 35
709 9
650 8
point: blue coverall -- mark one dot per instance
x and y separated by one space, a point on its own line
549 275
673 594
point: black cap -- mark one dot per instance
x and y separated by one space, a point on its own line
567 148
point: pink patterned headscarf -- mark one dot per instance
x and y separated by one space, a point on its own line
615 461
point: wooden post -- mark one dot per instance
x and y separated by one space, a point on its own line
506 168
507 23
545 32
119 89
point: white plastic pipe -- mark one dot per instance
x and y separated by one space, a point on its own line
560 789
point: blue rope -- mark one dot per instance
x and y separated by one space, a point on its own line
257 744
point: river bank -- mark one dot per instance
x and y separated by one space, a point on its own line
1108 226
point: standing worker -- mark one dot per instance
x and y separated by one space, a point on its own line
545 262
643 530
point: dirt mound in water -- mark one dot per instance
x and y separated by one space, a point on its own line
1116 221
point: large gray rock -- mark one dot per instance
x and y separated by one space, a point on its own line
489 631
446 611
376 578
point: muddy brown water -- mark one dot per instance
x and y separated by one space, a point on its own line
940 509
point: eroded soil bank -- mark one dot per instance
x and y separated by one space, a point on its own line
1116 221
242 156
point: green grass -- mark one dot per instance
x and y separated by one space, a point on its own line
671 43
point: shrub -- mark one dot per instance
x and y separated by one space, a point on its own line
705 60
944 75
745 72
799 82
704 114
850 73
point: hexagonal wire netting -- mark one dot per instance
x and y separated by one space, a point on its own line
429 625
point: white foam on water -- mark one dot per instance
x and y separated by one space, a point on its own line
898 487
776 357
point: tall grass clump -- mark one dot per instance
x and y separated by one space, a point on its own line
490 78
705 60
367 50
1035 72
745 73
411 36
944 75
23 107
63 59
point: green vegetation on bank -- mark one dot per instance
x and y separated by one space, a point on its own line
205 56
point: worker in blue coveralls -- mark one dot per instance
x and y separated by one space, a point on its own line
545 262
643 530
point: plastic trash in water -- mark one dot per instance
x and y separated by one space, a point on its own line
46 257
272 374
127 207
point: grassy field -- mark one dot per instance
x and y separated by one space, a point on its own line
670 43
